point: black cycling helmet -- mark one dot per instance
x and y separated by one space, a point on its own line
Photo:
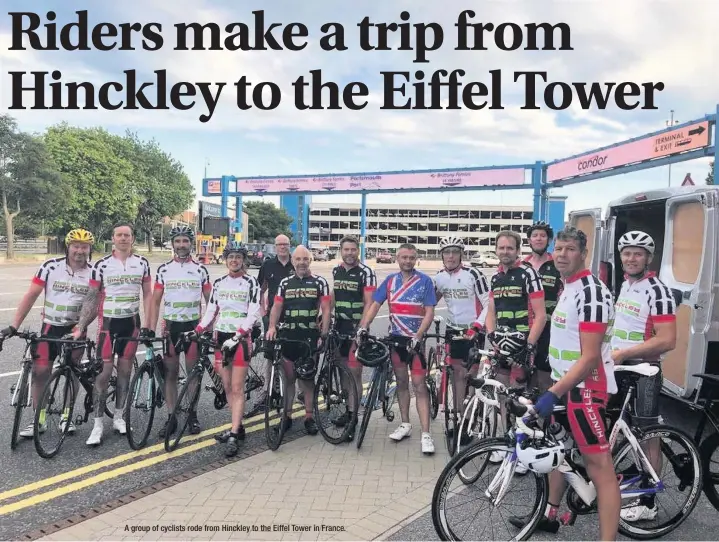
541 225
234 247
305 367
372 353
182 231
508 341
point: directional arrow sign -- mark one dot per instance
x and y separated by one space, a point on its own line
664 143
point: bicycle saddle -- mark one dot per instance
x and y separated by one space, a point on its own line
643 369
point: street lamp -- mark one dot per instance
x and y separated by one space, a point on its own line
671 122
249 226
207 163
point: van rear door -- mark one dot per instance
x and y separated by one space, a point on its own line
590 222
688 260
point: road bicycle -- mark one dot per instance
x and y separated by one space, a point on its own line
335 395
706 406
189 395
145 395
636 480
278 406
21 391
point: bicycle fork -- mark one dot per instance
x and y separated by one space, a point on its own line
15 390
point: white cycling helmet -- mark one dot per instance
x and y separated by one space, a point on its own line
509 341
637 239
541 460
451 241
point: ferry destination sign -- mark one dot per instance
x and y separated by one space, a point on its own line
373 182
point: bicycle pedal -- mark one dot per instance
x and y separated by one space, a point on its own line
568 519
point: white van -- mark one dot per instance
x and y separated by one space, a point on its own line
684 223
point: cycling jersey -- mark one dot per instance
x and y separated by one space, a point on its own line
640 305
513 289
350 285
466 292
65 290
585 305
121 284
234 304
301 298
551 282
407 301
183 284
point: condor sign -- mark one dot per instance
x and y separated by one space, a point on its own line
687 138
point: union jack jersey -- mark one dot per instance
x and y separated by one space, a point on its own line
406 301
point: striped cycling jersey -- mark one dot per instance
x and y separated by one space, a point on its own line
640 305
65 291
466 292
407 301
301 299
512 290
121 284
234 304
182 284
349 286
585 306
551 282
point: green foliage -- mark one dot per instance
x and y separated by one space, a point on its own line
710 175
102 190
32 192
267 221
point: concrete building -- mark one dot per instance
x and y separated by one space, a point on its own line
389 225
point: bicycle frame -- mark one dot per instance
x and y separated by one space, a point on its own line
26 366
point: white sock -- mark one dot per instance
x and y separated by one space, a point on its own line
424 433
98 422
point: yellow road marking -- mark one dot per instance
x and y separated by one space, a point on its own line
82 484
40 484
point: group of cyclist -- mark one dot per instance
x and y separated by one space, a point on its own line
561 324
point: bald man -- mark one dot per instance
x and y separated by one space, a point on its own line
299 301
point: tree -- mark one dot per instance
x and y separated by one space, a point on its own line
162 186
29 181
266 220
710 175
102 190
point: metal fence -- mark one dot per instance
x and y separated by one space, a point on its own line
34 246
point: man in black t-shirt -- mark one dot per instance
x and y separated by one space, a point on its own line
353 286
271 274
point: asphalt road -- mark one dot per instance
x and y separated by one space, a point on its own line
36 491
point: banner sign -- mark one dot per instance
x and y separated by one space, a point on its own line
356 182
687 138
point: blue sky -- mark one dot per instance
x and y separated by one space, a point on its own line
613 41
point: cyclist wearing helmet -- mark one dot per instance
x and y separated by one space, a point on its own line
118 282
353 285
411 299
234 308
181 283
583 372
299 301
645 328
466 292
540 235
65 283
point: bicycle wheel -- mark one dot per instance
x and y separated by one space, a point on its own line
369 407
255 396
186 402
450 409
390 395
277 402
685 465
707 449
110 396
140 406
21 396
55 406
335 402
465 512
432 383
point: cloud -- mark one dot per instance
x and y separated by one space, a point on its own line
613 40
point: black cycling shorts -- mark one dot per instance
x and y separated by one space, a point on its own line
121 327
44 353
294 351
460 349
171 330
541 354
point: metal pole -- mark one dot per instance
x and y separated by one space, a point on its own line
716 147
671 123
363 226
